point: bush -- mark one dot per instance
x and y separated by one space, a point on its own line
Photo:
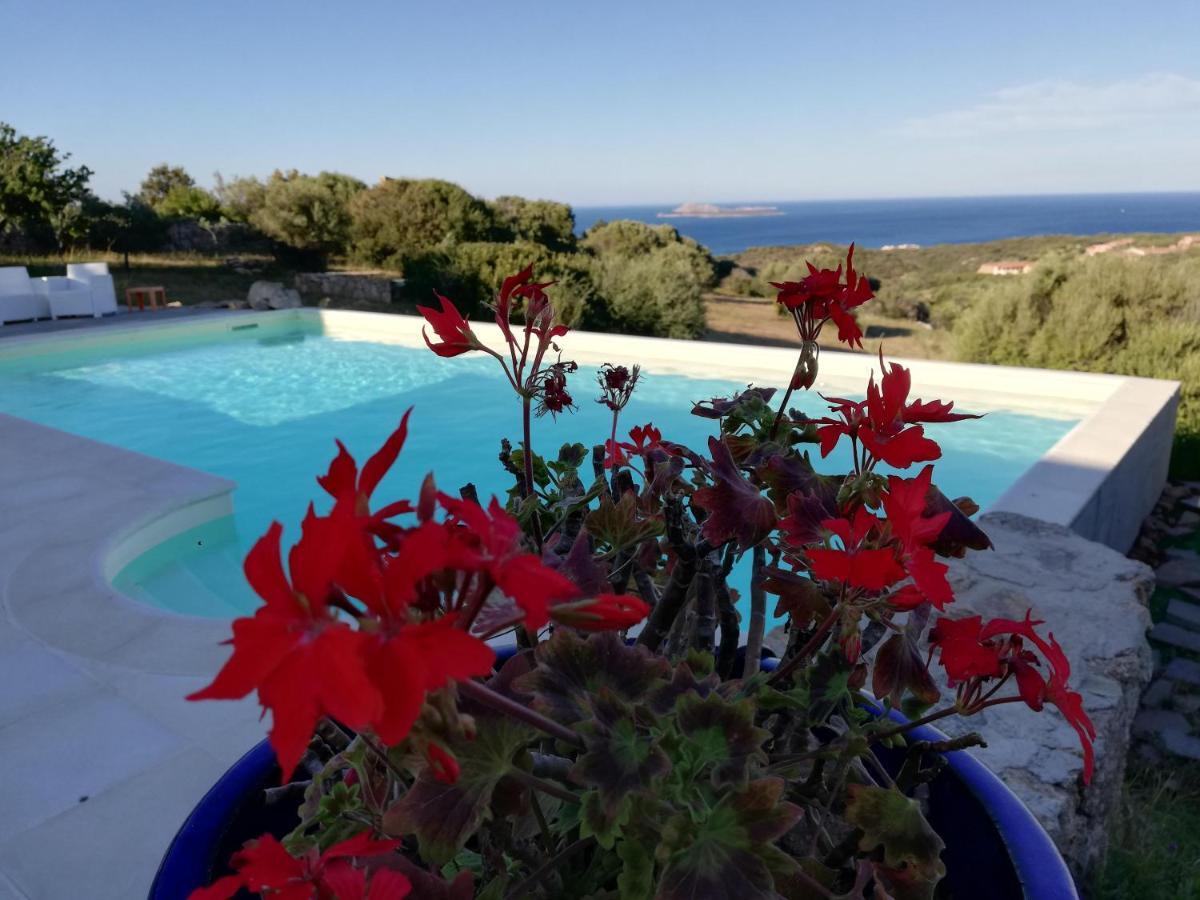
538 221
308 215
471 272
240 198
1133 316
189 203
403 218
652 280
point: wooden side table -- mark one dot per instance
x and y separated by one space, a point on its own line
157 295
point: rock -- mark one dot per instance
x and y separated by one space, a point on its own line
1188 704
1158 693
272 295
1178 572
1094 600
1191 503
776 640
174 304
1180 743
1188 518
1183 638
1184 614
1185 670
1152 722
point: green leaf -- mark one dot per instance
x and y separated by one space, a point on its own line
719 736
729 853
619 525
889 819
636 881
621 759
570 670
598 820
663 698
444 816
900 669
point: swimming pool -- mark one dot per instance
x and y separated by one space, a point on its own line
262 407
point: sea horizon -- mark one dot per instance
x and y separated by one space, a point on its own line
925 221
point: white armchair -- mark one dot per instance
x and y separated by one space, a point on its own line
65 296
18 299
95 275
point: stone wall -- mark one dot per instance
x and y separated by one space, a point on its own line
1094 600
349 288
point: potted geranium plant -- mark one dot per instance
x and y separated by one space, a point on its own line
625 745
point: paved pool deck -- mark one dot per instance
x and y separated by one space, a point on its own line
100 757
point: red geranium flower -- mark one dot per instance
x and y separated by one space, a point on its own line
821 296
263 866
450 325
885 423
904 506
303 662
490 541
973 652
607 612
871 569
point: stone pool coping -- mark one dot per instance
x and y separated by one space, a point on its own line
91 680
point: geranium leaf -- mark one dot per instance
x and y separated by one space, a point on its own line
636 881
719 736
729 854
889 819
618 524
900 668
662 699
743 406
736 510
794 474
799 596
959 533
444 816
620 758
571 669
597 819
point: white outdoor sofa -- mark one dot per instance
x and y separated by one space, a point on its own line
19 300
65 296
95 275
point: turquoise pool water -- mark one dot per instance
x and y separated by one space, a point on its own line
263 408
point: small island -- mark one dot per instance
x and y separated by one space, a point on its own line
712 211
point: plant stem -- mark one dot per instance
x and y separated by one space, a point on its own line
758 614
706 608
481 693
782 407
521 889
546 787
933 717
810 646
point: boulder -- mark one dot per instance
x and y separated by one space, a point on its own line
1094 600
272 295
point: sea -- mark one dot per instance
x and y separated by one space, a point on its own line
922 221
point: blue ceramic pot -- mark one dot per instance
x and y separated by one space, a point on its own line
995 848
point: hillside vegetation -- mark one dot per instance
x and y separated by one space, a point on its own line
1113 312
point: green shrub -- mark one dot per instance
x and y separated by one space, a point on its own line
1133 316
308 215
189 203
402 218
538 221
240 198
651 279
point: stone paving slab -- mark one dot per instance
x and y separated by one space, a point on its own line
1185 670
1182 638
1184 614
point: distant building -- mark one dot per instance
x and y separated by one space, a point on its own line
1006 267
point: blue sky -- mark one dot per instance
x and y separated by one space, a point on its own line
613 102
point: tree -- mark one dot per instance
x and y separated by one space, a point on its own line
652 279
540 221
36 187
240 198
161 181
307 215
189 203
401 216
